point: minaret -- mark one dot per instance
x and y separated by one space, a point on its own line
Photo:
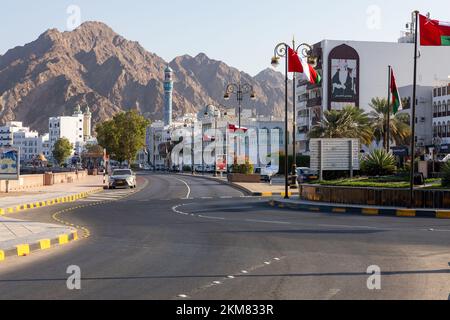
87 124
168 90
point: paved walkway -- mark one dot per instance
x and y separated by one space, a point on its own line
44 194
18 237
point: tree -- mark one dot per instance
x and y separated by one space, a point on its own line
400 131
124 135
350 122
62 150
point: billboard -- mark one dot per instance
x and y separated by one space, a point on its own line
9 163
343 77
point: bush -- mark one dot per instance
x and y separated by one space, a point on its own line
246 168
378 163
446 174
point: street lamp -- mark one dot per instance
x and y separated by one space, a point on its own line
281 51
191 123
240 90
216 115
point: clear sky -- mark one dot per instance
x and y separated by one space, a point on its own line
242 33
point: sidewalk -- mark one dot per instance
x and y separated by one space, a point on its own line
49 195
19 238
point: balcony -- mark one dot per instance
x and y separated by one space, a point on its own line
314 102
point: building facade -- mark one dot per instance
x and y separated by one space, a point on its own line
441 118
29 142
354 72
73 128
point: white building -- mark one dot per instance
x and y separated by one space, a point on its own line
29 142
203 127
75 128
424 112
441 118
354 72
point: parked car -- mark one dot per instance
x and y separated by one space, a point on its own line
122 178
267 173
305 174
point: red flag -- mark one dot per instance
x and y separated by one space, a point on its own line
294 62
434 32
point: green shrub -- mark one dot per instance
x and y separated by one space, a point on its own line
245 168
378 163
446 174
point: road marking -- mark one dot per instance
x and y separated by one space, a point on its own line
187 186
183 296
331 293
265 221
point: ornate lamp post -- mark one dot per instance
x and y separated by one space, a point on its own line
240 90
281 51
191 124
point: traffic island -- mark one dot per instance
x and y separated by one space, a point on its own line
310 206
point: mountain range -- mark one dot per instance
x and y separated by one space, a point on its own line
94 66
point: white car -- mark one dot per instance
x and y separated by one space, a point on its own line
122 178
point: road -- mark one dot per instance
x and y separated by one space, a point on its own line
184 238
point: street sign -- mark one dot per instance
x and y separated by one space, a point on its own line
9 163
334 155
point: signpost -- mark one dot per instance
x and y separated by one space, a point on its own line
334 155
9 165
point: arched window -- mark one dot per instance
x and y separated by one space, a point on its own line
435 110
448 129
439 129
439 109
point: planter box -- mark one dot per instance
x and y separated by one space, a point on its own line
239 177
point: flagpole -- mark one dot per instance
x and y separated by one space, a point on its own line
388 120
294 130
286 129
413 113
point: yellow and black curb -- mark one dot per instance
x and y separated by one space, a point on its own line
365 211
25 249
48 202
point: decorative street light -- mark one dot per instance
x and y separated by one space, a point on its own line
281 51
240 90
191 124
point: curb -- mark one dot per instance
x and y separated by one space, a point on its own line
241 188
365 211
23 250
48 202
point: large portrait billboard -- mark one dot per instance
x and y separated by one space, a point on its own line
343 89
9 164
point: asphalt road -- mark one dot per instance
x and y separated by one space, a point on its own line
184 238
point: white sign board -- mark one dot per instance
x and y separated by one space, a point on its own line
334 154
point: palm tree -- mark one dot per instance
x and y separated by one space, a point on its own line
400 131
350 122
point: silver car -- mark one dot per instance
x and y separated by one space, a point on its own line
124 178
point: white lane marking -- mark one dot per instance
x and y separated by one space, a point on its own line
183 296
217 282
244 271
204 198
230 277
331 293
187 186
213 218
265 221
